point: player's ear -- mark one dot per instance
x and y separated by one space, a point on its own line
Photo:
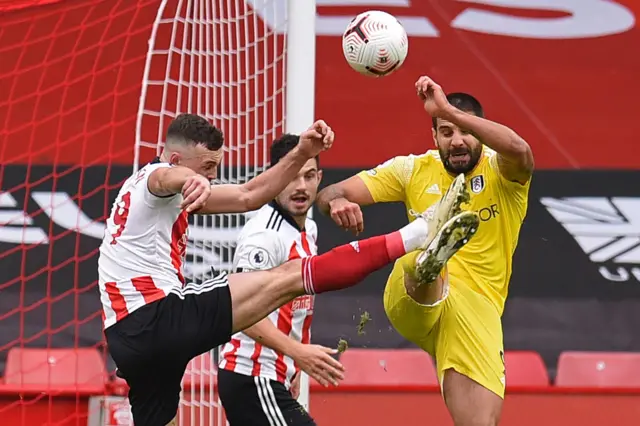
174 158
319 176
435 139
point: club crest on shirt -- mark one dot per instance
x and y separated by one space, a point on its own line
258 257
477 184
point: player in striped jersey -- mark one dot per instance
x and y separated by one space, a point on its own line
258 378
155 322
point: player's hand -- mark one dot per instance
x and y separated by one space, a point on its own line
316 361
195 193
319 137
347 215
433 97
295 386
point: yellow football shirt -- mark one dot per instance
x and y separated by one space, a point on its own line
419 181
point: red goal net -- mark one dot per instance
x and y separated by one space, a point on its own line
87 88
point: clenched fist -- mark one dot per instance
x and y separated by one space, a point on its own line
319 137
433 97
195 193
347 215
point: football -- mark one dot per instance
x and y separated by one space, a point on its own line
375 43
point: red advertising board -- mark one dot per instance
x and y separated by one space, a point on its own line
563 74
366 407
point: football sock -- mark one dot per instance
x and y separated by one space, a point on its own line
346 265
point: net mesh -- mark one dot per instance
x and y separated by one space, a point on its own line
80 82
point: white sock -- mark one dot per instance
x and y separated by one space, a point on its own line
414 235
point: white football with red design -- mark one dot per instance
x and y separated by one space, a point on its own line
375 43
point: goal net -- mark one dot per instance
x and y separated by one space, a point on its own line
88 89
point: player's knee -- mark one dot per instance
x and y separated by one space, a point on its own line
425 294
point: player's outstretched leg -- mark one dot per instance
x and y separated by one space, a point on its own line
255 294
453 235
436 216
447 207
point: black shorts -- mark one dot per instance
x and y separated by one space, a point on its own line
256 401
153 345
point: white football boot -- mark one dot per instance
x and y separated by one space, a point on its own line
451 237
446 208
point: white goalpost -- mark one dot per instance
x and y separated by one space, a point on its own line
300 92
249 67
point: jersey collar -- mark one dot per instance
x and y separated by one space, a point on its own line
285 214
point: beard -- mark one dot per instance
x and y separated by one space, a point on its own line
460 160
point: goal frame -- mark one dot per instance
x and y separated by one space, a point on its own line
300 93
299 110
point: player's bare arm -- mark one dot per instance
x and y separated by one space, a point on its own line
167 181
315 360
342 202
515 158
266 186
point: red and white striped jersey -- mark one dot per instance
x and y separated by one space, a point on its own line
269 239
143 248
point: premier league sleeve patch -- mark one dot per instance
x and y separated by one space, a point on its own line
258 258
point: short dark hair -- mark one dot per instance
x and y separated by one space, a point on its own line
194 129
464 102
283 145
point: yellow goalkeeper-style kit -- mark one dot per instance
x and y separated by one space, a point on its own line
463 331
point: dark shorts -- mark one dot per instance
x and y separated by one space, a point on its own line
256 401
153 345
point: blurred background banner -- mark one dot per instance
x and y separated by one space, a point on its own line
537 66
